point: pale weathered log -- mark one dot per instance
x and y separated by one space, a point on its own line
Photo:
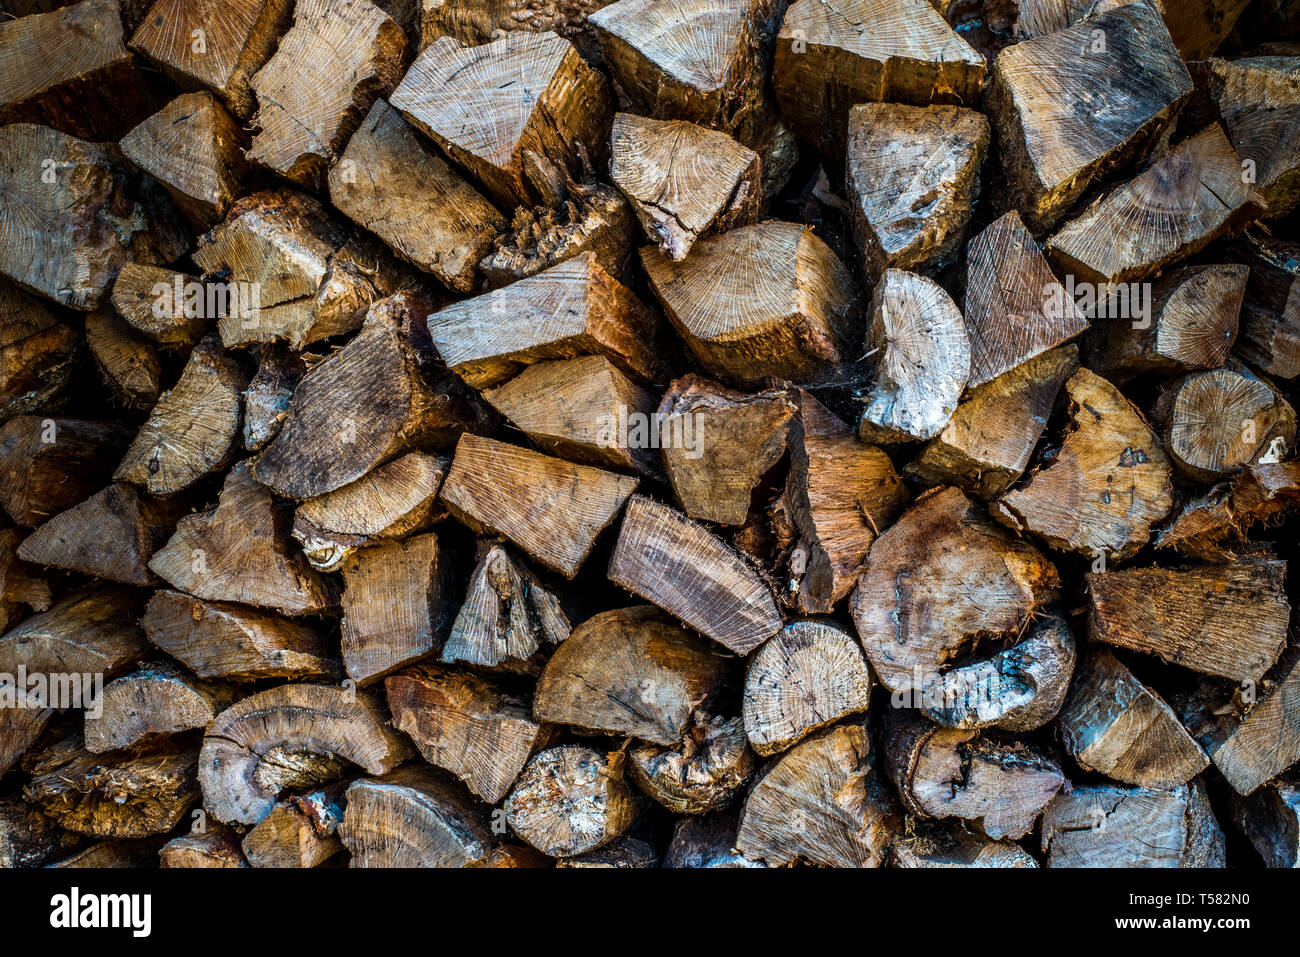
951 845
702 772
217 846
157 700
412 817
300 831
171 308
570 800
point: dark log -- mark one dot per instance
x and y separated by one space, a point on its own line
127 361
269 396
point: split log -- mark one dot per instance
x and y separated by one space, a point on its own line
111 535
1269 333
93 217
119 794
69 69
1270 819
987 444
718 444
702 772
1192 324
950 846
1115 725
269 396
36 353
595 218
48 465
508 615
824 801
1001 786
157 700
706 842
412 818
300 831
677 564
239 551
368 399
234 643
27 837
475 22
938 580
839 494
127 361
193 429
291 271
627 853
585 410
1229 620
922 362
465 725
831 55
684 181
1213 527
88 633
1106 485
507 134
1015 309
1110 826
1216 422
570 800
383 506
336 59
233 39
631 671
19 583
572 309
169 307
1257 99
1174 208
805 677
1019 689
1052 152
390 182
290 737
913 173
216 847
195 149
770 300
115 854
551 509
394 606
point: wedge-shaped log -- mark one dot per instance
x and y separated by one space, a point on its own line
677 564
195 148
1015 309
238 36
127 361
684 181
1051 150
1174 208
946 845
36 352
550 508
1214 526
987 444
570 800
630 671
48 465
169 307
1269 333
922 356
702 772
389 181
769 300
507 134
913 173
413 817
466 725
297 274
1228 620
1105 825
571 309
193 429
300 831
240 551
157 700
384 505
233 642
82 240
806 676
1109 482
1019 689
831 55
287 738
936 581
825 801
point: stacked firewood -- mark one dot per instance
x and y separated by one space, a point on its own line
718 433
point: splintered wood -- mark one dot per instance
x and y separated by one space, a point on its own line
627 434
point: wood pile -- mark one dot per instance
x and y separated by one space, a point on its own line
720 433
